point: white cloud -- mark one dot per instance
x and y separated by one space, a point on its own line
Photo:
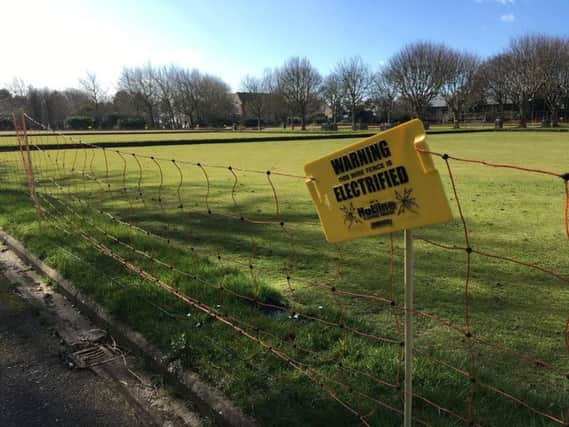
505 2
509 18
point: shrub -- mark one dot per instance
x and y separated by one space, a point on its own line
6 123
79 122
131 123
251 122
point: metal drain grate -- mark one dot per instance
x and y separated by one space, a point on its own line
91 356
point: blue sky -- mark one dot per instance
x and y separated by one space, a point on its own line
63 39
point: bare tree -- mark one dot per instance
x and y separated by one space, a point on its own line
331 93
200 98
78 100
125 107
5 102
354 75
299 82
187 99
277 109
493 75
165 82
383 93
418 71
18 87
92 87
48 106
524 73
140 83
460 86
256 99
215 105
554 63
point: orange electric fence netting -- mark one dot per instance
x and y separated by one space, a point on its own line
235 249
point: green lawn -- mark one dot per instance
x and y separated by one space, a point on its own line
153 136
509 213
42 138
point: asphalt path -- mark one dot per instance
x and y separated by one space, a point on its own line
37 388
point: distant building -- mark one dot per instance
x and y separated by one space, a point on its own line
486 110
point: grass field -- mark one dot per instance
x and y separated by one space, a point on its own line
152 136
96 137
509 213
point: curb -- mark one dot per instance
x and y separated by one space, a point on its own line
208 400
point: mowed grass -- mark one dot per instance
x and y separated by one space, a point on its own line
41 139
95 137
64 137
509 213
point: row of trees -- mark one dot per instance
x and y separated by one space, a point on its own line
532 67
170 97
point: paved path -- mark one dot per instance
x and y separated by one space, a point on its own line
36 388
38 331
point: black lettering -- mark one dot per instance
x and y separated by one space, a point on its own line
338 166
379 181
361 185
384 149
348 191
387 179
394 177
354 160
369 184
355 190
369 156
402 173
357 173
339 194
375 154
362 156
382 223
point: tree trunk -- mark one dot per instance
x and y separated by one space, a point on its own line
552 104
151 116
353 117
555 117
258 123
455 117
420 112
523 112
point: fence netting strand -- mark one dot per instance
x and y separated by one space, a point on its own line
237 265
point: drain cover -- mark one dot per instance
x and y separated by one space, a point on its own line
92 356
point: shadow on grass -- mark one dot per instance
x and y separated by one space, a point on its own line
264 386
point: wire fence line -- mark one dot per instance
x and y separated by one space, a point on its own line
159 218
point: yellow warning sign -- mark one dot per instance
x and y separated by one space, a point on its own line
379 185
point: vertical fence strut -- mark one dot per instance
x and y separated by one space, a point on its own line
408 278
28 166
